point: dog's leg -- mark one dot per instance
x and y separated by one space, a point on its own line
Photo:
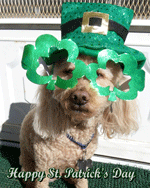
80 183
43 184
27 166
46 180
36 184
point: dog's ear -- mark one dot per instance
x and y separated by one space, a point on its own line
49 119
121 116
122 119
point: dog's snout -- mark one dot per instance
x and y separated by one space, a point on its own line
80 97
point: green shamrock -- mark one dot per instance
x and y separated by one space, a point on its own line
130 68
91 74
90 71
43 45
78 72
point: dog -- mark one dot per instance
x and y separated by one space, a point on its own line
78 112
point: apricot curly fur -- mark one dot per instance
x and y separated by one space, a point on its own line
43 140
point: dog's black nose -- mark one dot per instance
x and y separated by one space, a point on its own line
80 97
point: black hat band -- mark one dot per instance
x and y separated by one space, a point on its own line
113 26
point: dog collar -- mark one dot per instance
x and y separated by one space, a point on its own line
82 146
83 164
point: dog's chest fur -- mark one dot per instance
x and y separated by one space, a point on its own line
63 150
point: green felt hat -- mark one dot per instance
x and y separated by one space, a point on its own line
95 26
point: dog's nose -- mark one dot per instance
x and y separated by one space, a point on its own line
80 97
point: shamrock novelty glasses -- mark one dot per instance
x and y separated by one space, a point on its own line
45 44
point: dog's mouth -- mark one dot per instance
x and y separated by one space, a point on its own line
77 108
78 113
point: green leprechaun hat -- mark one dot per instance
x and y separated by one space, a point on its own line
95 26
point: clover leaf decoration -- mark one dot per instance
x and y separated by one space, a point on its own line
130 68
43 45
91 74
46 43
78 72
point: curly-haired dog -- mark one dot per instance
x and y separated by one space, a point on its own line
77 112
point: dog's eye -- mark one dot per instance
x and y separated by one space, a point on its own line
99 74
68 71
